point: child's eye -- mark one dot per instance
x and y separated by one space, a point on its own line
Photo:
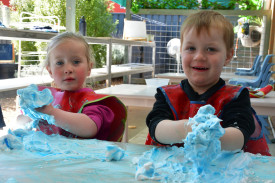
59 63
211 49
76 61
191 48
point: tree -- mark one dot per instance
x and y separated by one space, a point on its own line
97 14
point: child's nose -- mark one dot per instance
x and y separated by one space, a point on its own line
68 69
199 55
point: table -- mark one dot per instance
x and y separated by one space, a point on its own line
143 96
17 83
177 77
131 95
266 105
37 157
46 158
97 74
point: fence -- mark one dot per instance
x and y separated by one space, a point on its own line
167 27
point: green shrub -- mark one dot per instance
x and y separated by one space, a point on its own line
194 4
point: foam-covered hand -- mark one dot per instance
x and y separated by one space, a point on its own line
46 109
30 99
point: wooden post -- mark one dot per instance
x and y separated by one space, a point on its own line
126 49
70 15
128 9
271 49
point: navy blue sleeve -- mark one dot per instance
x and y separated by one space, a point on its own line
238 114
161 111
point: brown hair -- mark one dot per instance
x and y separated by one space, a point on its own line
206 19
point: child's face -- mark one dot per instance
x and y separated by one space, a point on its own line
68 65
203 57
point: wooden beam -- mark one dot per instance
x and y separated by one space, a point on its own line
189 12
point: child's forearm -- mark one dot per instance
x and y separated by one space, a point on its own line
171 132
76 123
232 139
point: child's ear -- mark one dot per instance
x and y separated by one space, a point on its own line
91 65
229 56
49 70
90 68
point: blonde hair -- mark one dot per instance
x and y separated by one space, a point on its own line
55 41
206 19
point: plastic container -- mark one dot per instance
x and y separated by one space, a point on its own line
157 82
82 26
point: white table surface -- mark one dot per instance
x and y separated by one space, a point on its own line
97 74
53 158
132 94
143 96
17 83
177 77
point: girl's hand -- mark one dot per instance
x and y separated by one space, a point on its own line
46 109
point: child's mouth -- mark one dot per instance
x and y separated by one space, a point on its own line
69 79
200 68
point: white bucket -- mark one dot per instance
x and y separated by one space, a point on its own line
157 82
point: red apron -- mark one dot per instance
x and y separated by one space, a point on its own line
183 108
75 101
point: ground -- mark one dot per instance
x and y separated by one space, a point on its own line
8 106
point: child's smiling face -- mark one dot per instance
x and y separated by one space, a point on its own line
203 57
